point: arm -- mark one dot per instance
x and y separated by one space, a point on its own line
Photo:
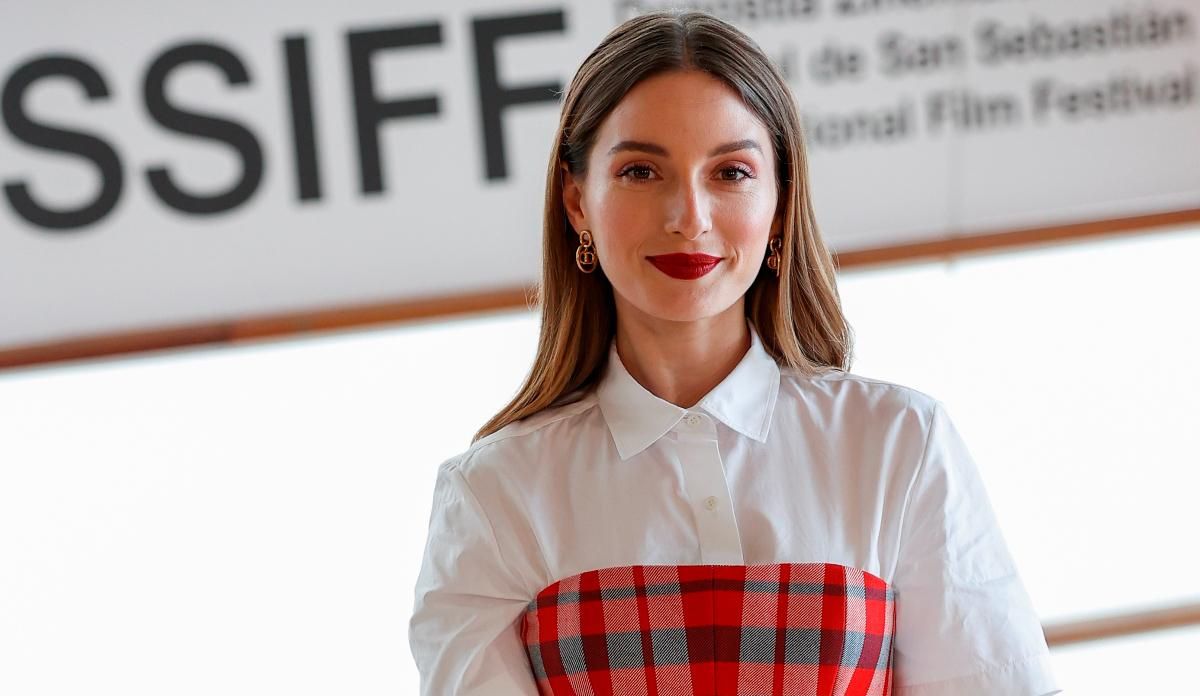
465 629
964 622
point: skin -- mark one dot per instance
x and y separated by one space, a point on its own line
679 338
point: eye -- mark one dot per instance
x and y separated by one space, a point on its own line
634 168
745 173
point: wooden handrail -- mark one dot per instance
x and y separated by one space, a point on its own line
1014 239
269 326
1122 624
294 323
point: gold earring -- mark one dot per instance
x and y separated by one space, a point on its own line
773 260
585 255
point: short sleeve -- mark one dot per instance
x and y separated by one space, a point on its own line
465 629
964 621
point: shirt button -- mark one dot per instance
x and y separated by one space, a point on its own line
710 502
692 419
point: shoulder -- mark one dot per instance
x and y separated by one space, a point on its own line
856 390
847 403
524 438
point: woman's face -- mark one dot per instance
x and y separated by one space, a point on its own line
681 165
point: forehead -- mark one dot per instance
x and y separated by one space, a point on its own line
682 111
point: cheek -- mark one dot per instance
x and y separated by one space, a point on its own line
746 223
624 222
618 244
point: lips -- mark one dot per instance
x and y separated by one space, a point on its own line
685 266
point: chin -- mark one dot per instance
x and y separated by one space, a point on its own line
677 304
684 311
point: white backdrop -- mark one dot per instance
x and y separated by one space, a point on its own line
168 163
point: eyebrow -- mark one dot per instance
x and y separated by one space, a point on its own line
655 149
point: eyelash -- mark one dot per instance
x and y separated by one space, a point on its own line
746 173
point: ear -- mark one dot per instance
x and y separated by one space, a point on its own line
572 196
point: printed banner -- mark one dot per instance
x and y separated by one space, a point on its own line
166 164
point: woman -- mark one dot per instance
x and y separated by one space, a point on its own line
691 494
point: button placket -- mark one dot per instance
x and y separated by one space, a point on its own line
708 490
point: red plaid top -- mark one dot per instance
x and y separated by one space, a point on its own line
709 630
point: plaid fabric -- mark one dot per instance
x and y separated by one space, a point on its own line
790 629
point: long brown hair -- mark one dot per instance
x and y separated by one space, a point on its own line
798 315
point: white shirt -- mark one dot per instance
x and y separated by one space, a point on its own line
771 466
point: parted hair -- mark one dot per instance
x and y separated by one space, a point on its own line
798 314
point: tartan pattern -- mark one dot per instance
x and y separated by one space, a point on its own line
794 629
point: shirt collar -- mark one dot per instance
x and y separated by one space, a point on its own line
744 400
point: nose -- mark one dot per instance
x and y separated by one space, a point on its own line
688 210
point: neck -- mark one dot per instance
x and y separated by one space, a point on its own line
678 361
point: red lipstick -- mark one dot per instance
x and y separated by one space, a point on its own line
685 266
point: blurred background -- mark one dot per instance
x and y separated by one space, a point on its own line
264 267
